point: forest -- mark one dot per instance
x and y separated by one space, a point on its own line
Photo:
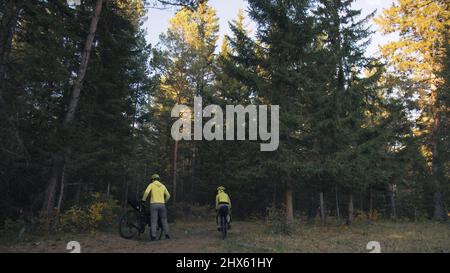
86 101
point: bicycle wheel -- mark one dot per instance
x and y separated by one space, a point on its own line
223 223
129 224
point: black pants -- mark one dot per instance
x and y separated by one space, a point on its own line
223 210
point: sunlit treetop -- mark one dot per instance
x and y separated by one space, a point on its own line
421 25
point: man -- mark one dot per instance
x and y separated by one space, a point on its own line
158 198
223 205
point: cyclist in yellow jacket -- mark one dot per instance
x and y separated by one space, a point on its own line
223 205
159 195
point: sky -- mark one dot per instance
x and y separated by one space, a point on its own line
158 20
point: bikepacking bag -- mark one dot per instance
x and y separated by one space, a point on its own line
133 202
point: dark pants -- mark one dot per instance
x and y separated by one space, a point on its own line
159 210
223 210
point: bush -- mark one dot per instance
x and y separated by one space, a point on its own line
186 211
12 228
363 216
276 220
74 219
99 213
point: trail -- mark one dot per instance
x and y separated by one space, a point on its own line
254 236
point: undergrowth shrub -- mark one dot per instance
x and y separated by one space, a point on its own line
367 216
276 221
186 211
99 212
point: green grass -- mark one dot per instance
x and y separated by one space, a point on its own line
392 236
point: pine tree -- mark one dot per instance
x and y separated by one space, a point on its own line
273 68
417 57
188 63
348 128
101 137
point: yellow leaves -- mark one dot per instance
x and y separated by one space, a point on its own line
426 152
74 219
95 212
225 48
99 213
190 44
417 17
421 25
132 8
96 195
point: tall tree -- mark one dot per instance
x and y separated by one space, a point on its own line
417 56
189 46
60 157
274 68
9 17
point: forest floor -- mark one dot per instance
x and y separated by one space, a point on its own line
201 236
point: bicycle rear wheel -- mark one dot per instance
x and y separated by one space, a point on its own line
223 223
129 224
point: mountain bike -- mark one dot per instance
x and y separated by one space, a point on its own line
134 221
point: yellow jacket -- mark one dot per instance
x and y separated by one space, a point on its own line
159 193
222 197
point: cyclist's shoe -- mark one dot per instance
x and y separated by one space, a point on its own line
219 228
153 238
167 236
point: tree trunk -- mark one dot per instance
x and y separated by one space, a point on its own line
125 190
439 213
193 172
62 155
8 26
361 201
61 191
289 204
175 167
57 168
181 185
108 189
350 216
322 208
78 194
370 203
312 209
392 201
84 63
338 213
274 195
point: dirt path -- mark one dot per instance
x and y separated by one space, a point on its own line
185 238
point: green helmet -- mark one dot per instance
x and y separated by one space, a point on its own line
221 188
155 177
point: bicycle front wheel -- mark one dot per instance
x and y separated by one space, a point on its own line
129 224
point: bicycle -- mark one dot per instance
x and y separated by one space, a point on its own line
133 222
